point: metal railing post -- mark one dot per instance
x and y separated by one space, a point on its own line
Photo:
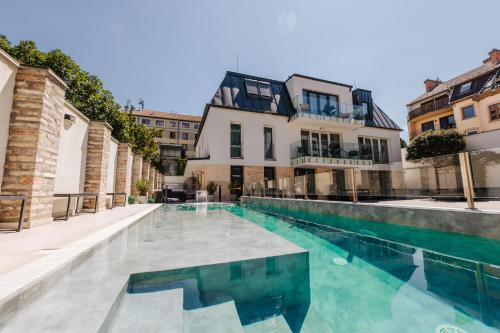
467 179
353 182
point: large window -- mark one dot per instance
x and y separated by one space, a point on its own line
196 126
465 87
447 122
494 111
323 104
258 89
375 149
172 135
236 178
146 121
428 126
235 144
184 136
159 123
268 143
320 144
468 112
185 125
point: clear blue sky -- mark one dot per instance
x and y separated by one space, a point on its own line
174 54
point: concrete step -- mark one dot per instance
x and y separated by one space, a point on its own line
275 324
218 318
158 311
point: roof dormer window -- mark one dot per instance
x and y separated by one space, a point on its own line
465 87
258 88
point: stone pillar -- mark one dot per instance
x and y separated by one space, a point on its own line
32 144
136 173
152 175
123 174
96 169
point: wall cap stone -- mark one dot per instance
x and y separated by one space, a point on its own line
102 122
50 74
7 57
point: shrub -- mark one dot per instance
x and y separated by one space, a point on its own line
211 188
142 186
435 143
131 200
151 200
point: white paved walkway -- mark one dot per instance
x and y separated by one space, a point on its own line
20 248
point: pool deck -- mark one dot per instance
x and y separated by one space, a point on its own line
163 240
20 248
491 205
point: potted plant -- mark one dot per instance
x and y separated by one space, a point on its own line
233 194
211 189
142 186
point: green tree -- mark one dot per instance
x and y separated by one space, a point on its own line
402 143
435 143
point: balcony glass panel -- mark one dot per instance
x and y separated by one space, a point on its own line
313 104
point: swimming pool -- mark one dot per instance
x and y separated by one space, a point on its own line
215 268
374 277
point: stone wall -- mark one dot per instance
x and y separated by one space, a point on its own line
96 171
33 142
123 174
152 174
136 173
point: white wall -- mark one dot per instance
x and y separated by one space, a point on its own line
216 133
485 140
113 160
71 158
72 155
8 70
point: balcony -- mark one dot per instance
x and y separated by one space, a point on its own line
424 108
303 154
319 111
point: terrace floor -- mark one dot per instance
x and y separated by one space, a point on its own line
20 248
490 205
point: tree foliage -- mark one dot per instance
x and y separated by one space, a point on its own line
86 92
435 143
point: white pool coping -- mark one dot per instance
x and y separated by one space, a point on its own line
22 279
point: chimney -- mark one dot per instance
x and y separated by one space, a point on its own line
494 57
431 84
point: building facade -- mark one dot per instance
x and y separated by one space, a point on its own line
469 102
256 130
178 136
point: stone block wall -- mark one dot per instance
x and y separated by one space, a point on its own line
33 143
123 174
152 175
136 173
96 169
220 175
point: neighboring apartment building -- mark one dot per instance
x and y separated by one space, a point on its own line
178 136
469 102
257 129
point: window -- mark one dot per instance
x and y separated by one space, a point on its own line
317 144
173 124
196 126
468 112
172 135
465 87
376 150
252 88
185 125
236 177
428 126
447 122
235 144
320 104
268 143
184 147
146 121
159 123
184 136
258 89
494 111
269 177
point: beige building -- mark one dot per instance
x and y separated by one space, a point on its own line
469 102
178 136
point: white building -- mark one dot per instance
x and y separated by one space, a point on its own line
257 129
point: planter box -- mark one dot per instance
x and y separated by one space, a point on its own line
142 199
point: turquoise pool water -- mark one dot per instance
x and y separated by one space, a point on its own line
372 277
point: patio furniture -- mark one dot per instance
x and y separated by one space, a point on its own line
22 198
113 198
77 196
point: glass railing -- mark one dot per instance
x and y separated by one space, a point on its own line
317 107
333 150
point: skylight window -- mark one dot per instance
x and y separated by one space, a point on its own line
265 89
258 89
465 87
252 88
